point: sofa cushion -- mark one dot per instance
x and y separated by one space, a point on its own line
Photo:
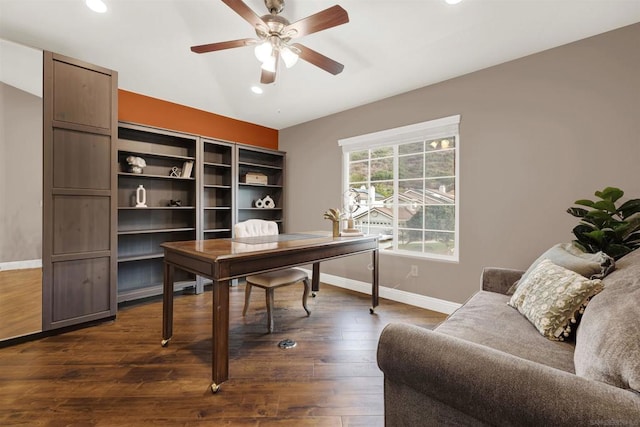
608 339
551 297
571 257
486 319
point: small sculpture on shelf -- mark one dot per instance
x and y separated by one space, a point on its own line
265 203
135 164
175 203
141 197
175 172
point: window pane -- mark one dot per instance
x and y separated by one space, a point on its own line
382 152
410 240
439 243
440 144
382 169
411 166
439 163
358 171
384 191
359 155
414 147
443 186
441 217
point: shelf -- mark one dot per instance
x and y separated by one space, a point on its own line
140 257
156 155
217 230
244 184
222 187
217 165
260 209
155 208
144 175
155 230
259 165
217 208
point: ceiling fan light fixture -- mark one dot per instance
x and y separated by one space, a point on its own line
270 64
264 51
289 57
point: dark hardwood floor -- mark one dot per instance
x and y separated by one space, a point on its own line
116 373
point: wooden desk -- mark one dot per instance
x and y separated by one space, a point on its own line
224 259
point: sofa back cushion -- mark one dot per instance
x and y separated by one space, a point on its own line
608 339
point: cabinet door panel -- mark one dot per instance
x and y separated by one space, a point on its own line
81 96
80 288
81 224
81 160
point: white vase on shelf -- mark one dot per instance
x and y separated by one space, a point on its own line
141 197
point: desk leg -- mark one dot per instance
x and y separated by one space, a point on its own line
220 334
374 281
167 304
315 279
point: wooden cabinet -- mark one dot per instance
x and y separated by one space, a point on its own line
171 200
80 121
251 194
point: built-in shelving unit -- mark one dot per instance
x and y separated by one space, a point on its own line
266 162
202 204
171 213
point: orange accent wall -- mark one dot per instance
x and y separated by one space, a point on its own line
141 109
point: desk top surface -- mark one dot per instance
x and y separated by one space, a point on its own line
214 249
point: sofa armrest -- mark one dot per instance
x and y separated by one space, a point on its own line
495 387
499 279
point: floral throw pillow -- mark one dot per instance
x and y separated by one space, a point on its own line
552 298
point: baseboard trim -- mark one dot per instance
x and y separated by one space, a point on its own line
20 265
409 298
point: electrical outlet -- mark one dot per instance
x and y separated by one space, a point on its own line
414 271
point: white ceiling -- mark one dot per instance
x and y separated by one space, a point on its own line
388 47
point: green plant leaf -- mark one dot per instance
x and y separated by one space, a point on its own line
584 202
617 251
577 212
610 193
605 205
597 235
629 208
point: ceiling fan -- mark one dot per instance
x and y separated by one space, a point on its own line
275 33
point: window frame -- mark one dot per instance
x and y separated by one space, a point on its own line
445 127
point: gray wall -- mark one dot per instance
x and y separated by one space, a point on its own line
20 175
536 134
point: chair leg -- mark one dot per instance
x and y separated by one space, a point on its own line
247 297
305 295
269 295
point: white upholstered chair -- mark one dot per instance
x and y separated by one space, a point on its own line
274 279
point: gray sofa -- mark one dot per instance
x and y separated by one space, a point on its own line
487 365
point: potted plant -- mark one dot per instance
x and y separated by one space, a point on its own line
614 230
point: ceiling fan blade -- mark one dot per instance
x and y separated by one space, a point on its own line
204 48
328 18
246 13
267 77
318 59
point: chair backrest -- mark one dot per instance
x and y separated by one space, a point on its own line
255 227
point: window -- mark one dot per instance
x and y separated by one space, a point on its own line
402 184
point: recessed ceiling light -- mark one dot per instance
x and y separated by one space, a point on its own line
453 1
96 5
257 90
